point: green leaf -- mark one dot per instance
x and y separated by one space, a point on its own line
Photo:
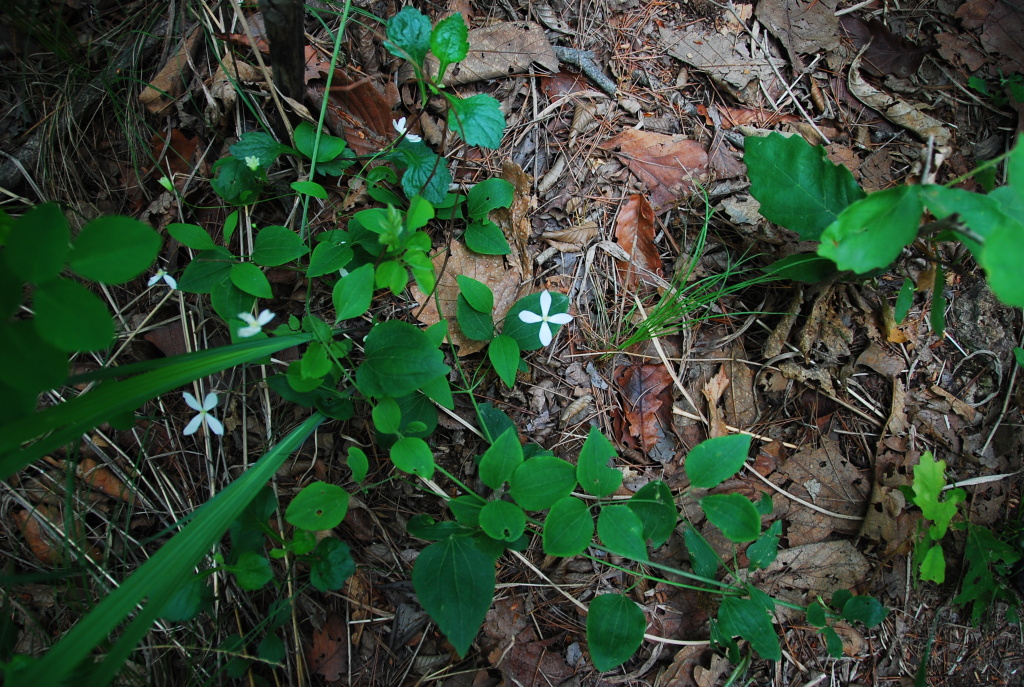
933 565
833 642
260 145
70 317
331 565
503 352
802 267
318 507
387 416
358 463
449 42
331 147
408 35
929 483
426 174
654 504
28 363
816 615
228 301
494 422
501 459
713 461
1002 262
206 270
476 325
271 649
622 532
734 514
277 245
315 363
872 232
904 301
419 213
390 274
328 257
592 471
763 551
937 313
796 184
477 294
252 570
540 481
250 278
309 188
412 455
486 238
38 244
466 509
568 528
986 556
399 358
527 335
191 236
353 293
865 609
703 558
488 195
502 520
615 630
113 249
477 120
749 620
454 582
189 601
235 182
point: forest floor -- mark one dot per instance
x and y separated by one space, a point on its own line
612 188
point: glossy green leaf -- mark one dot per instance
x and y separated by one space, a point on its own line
477 294
796 184
734 514
527 335
358 463
622 532
228 301
426 174
309 188
540 481
412 455
816 615
353 293
466 509
749 620
486 238
331 564
477 120
260 145
330 147
1001 259
277 245
191 236
38 244
391 275
250 279
703 558
713 461
592 471
502 458
408 35
615 630
654 504
933 565
449 41
568 528
315 363
872 232
503 352
318 507
476 325
454 582
327 258
70 317
502 520
488 195
114 249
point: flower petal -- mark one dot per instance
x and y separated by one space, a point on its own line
545 334
545 303
413 138
191 401
247 318
193 425
171 281
210 402
155 278
560 318
215 425
264 317
246 332
399 125
529 317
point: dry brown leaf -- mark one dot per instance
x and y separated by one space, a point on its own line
960 50
515 219
645 419
634 232
103 480
668 165
801 27
574 239
1003 33
881 361
899 112
886 53
169 83
230 72
713 390
328 654
740 401
512 646
498 51
357 111
37 535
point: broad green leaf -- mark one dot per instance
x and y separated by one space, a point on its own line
387 416
192 236
419 213
488 195
271 648
230 225
353 293
749 620
454 582
929 482
412 455
426 174
252 570
27 362
449 41
466 509
250 278
189 601
703 558
933 566
816 615
654 504
330 147
277 245
988 559
494 422
476 325
331 564
734 514
540 481
422 269
309 188
399 359
328 257
502 520
713 461
796 184
592 471
983 215
391 275
113 249
622 532
802 267
486 238
235 182
872 232
38 244
568 528
501 459
763 551
358 463
228 301
1004 268
477 294
865 609
439 391
615 630
260 145
318 507
206 270
70 317
315 363
503 352
527 335
477 120
833 642
424 527
408 35
904 301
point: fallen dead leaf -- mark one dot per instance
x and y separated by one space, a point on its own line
713 390
1003 32
103 480
574 239
634 232
668 165
328 653
801 27
498 51
886 53
512 647
170 82
357 111
515 219
645 420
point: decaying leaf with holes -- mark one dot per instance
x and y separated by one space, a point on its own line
645 419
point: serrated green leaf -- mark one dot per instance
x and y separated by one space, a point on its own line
449 41
502 520
477 120
114 249
474 324
454 581
503 352
399 359
488 195
408 35
749 620
734 514
568 528
319 506
70 317
713 461
502 458
277 245
872 232
412 455
331 565
796 184
38 244
353 293
191 236
929 482
309 188
622 532
592 471
260 145
541 481
615 630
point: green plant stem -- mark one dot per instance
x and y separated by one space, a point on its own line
457 481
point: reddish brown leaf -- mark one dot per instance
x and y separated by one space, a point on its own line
713 391
646 415
667 164
886 53
634 231
328 654
103 480
1003 33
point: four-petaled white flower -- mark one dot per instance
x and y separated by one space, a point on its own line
400 128
252 162
162 275
204 417
544 318
255 324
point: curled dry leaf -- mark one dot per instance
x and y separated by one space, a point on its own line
103 480
634 232
668 165
515 219
713 390
573 239
169 83
230 72
899 112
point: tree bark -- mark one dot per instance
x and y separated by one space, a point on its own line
283 20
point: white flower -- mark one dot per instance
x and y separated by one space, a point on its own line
162 274
400 128
252 162
255 323
204 417
545 319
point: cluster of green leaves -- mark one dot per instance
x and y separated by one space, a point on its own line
40 270
927 494
1003 91
844 605
800 189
